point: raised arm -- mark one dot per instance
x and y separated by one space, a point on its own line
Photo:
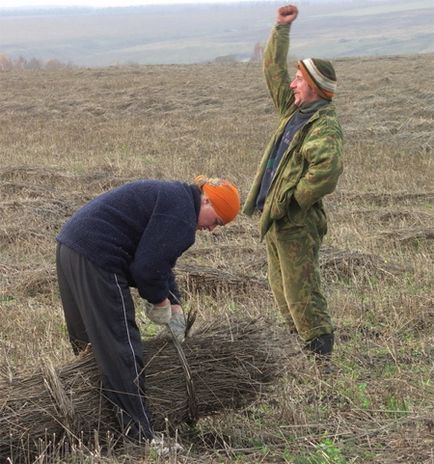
275 59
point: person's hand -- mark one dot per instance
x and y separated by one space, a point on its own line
286 14
159 313
177 323
177 309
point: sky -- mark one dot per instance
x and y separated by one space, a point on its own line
123 3
99 3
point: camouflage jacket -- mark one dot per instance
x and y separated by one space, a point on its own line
311 165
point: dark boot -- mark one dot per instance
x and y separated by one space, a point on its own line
322 345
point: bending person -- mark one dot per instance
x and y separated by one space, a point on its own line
132 236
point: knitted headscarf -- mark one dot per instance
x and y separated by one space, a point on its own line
320 75
223 196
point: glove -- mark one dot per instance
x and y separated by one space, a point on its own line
178 326
158 314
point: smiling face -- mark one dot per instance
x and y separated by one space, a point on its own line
303 93
208 218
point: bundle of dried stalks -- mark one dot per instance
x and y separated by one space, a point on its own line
410 234
346 263
335 262
210 280
230 366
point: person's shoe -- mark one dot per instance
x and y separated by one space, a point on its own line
164 447
322 345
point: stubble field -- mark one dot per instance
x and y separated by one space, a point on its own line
69 135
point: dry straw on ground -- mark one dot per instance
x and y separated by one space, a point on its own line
231 364
68 135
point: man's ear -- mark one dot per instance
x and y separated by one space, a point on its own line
315 92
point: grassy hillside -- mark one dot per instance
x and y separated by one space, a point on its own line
69 135
201 33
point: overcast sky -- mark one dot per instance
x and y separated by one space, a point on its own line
100 3
111 3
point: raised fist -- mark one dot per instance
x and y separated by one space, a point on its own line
286 14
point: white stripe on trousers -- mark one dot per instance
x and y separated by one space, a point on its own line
132 351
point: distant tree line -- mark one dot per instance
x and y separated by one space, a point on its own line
8 64
255 57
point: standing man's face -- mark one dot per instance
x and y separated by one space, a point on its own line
303 93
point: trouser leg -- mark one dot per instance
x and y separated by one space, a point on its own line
276 282
104 304
297 256
74 322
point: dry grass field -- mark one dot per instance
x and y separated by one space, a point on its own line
68 135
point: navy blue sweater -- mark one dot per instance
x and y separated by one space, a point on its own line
138 230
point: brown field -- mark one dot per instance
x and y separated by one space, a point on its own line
68 135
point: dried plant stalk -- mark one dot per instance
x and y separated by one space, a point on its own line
230 365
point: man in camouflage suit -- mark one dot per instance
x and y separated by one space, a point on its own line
301 164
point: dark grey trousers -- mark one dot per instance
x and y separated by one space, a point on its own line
99 310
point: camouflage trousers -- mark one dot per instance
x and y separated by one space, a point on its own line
293 273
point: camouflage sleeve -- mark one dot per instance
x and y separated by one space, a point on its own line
276 68
322 150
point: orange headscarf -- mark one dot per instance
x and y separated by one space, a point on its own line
224 196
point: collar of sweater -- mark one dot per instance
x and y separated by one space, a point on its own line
311 107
